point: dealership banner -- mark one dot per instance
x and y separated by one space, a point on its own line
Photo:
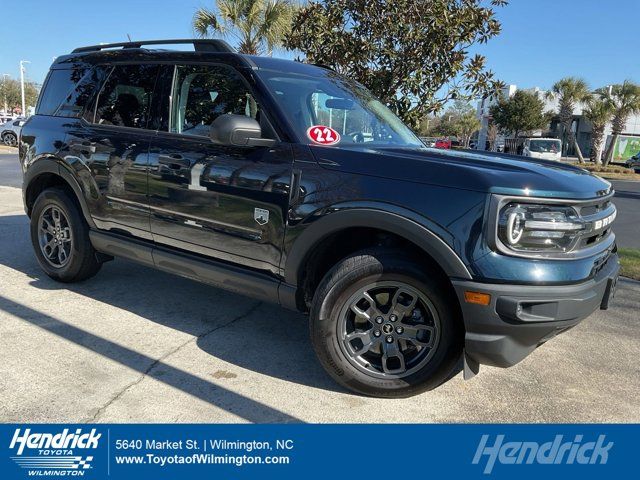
177 451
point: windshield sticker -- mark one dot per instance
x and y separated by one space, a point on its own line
323 135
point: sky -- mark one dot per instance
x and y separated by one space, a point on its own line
541 40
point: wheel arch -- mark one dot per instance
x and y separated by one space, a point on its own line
47 172
402 225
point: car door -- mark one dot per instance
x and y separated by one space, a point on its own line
112 144
221 201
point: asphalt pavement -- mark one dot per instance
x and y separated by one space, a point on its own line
10 172
137 345
627 200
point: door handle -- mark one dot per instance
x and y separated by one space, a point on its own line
174 162
83 146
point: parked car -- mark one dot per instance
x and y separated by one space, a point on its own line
545 148
444 143
429 141
634 162
223 168
10 131
6 118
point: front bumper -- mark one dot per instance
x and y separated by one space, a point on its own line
519 318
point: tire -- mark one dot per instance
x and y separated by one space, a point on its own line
10 139
80 261
376 372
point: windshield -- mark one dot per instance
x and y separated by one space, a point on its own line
544 146
341 105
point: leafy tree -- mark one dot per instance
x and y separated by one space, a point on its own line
257 25
413 55
460 120
624 99
520 113
10 93
569 91
428 125
599 112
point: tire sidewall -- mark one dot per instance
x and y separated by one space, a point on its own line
61 200
337 288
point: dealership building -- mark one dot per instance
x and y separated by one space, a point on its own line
628 143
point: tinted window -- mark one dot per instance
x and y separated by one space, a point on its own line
544 146
201 94
58 85
79 97
125 99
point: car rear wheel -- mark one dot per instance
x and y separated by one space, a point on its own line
383 325
60 238
10 139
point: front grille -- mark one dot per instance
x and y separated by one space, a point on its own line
598 216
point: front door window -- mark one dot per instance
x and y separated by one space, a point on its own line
202 93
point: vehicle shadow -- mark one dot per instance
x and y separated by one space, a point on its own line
264 338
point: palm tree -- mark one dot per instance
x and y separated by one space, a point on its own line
569 91
599 112
257 25
625 101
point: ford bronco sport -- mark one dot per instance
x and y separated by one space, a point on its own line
290 183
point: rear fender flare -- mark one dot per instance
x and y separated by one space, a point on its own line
54 166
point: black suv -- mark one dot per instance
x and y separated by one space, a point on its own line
290 183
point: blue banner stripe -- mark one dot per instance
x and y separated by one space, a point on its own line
297 451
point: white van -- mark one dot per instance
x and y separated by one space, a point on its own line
546 148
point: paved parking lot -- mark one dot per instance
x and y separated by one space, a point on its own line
137 345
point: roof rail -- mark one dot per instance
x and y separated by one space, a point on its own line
199 45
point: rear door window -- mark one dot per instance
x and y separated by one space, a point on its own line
125 100
82 95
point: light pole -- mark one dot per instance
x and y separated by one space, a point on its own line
4 91
24 107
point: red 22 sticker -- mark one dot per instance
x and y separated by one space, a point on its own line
323 135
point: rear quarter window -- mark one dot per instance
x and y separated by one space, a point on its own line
67 92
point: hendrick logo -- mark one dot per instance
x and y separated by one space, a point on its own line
553 452
54 454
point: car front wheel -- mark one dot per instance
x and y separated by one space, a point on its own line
383 325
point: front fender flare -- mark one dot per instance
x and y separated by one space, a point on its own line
371 216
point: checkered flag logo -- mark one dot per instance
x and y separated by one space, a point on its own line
61 462
84 464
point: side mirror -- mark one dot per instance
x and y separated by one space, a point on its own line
239 131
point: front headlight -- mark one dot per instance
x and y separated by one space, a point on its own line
531 228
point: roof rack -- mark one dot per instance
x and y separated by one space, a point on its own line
199 45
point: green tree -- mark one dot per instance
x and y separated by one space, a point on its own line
460 120
520 113
624 99
413 55
428 125
258 26
569 91
599 112
11 96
